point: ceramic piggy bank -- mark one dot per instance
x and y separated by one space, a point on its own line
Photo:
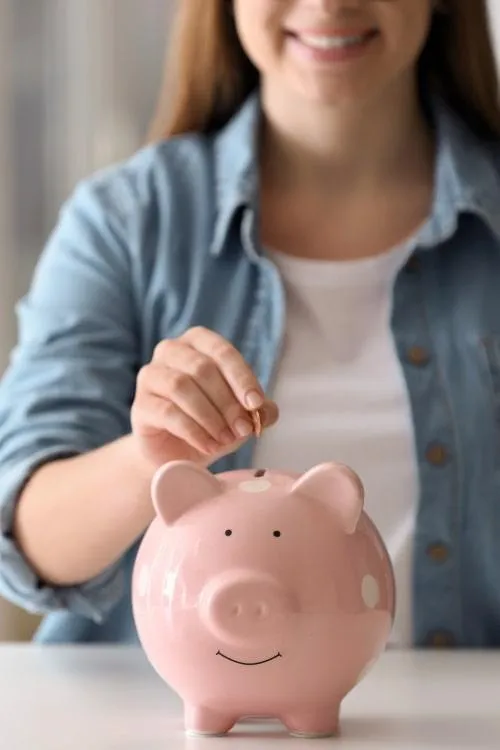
262 594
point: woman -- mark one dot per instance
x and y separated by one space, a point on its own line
313 227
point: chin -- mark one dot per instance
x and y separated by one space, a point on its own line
341 96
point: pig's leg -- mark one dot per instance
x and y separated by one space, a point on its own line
310 723
200 720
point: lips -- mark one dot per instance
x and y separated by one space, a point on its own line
324 41
331 45
331 42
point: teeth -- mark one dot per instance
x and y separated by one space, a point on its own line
332 42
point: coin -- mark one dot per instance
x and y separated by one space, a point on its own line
257 422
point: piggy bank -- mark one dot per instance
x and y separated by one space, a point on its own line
261 594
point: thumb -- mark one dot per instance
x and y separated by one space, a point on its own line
269 414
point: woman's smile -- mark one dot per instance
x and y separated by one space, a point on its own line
330 47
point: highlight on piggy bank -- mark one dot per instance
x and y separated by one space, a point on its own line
263 593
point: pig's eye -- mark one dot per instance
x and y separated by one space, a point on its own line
228 532
277 533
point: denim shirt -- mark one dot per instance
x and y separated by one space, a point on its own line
169 239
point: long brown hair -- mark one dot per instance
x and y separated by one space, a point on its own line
208 75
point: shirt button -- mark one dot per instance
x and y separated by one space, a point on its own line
441 639
438 553
418 356
437 455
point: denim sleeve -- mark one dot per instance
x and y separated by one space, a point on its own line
71 377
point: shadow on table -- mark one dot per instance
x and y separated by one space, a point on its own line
449 731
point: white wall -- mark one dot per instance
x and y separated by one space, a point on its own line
10 622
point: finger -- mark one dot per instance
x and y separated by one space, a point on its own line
205 372
157 413
231 363
269 414
188 395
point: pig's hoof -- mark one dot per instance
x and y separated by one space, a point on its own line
200 733
313 726
314 735
204 722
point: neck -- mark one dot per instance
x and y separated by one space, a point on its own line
378 142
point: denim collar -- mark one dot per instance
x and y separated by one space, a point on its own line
467 174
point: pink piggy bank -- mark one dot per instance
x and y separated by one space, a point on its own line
262 594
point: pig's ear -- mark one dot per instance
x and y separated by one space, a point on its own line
336 486
179 486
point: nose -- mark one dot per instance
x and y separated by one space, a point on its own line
241 606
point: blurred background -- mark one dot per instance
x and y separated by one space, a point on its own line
78 84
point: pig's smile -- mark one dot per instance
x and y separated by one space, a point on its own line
249 663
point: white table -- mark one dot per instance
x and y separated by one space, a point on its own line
89 698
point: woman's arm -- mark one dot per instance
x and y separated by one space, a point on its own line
73 495
77 516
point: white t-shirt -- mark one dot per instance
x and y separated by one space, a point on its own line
342 396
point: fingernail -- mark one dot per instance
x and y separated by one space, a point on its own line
242 428
254 400
227 437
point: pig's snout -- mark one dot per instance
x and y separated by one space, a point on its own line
242 607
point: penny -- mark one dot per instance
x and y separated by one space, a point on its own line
257 423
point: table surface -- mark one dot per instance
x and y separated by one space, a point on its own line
109 698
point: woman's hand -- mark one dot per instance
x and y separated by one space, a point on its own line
193 400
